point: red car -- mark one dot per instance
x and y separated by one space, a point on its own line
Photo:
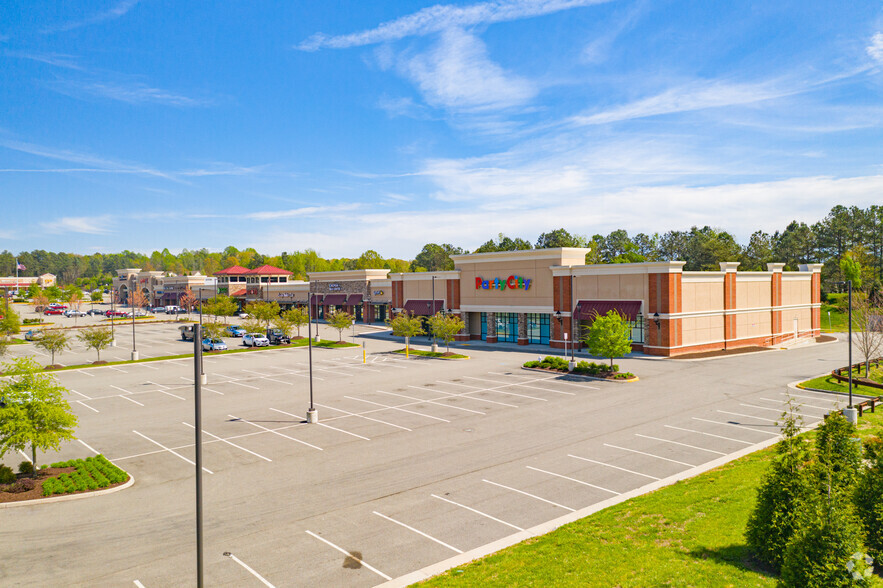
53 311
111 313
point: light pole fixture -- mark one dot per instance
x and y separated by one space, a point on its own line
312 413
656 319
134 351
850 413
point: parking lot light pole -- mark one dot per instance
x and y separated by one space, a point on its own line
134 350
312 413
113 340
197 425
850 412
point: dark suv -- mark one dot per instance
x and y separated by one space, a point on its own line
277 337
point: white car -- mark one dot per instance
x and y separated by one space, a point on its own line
213 345
255 340
71 312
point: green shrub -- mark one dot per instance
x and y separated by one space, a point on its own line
44 467
869 506
532 364
49 487
32 321
839 452
26 468
23 485
820 551
7 476
553 362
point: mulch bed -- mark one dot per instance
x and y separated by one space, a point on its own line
722 352
825 339
37 492
599 375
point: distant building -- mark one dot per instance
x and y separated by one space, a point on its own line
24 282
158 288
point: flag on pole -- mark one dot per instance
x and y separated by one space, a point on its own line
20 267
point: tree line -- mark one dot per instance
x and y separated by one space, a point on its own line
850 232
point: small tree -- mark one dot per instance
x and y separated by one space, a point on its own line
220 306
96 338
138 299
263 311
40 301
868 491
212 330
852 270
609 336
285 325
340 320
10 324
33 291
54 293
407 326
35 413
445 327
297 317
53 341
188 300
867 324
96 296
4 346
252 325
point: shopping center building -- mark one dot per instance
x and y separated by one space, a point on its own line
543 297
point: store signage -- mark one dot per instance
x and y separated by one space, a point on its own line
378 292
334 287
512 282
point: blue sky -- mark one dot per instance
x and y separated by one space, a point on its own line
343 126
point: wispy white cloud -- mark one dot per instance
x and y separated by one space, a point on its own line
458 74
7 234
129 92
223 169
54 59
94 162
117 11
306 211
597 50
94 225
444 16
875 49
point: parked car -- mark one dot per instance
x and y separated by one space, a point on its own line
158 309
55 310
277 337
213 345
174 310
72 312
96 311
57 305
33 335
242 315
187 332
112 313
235 331
255 340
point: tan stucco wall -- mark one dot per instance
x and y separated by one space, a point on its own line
702 296
539 293
703 329
612 287
422 289
753 324
796 291
751 294
804 320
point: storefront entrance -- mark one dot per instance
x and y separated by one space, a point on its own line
538 328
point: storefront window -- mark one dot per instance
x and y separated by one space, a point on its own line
538 328
484 326
637 326
507 327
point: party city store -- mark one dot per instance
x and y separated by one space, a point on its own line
550 297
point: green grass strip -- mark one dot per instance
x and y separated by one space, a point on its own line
431 354
687 534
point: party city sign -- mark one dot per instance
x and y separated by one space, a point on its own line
512 282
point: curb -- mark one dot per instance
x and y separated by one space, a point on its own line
67 497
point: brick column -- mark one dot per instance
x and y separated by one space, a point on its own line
776 301
729 267
664 298
452 293
815 294
463 335
491 318
398 295
522 329
367 312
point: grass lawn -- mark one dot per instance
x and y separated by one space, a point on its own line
829 383
837 322
432 354
688 534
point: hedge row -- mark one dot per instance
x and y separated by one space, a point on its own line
551 362
91 473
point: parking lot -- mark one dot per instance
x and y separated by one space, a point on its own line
413 461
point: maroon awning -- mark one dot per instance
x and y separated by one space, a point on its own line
423 307
316 299
586 310
354 299
334 300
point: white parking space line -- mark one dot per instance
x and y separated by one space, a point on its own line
478 512
747 416
321 424
210 390
683 463
138 584
340 363
130 400
155 384
801 405
118 369
480 389
81 394
274 432
556 379
348 554
243 385
779 410
573 480
84 444
523 385
146 365
25 455
85 373
531 495
124 391
228 442
87 406
172 451
410 528
613 466
679 443
283 382
249 570
743 427
361 416
172 395
431 402
709 434
464 395
398 408
496 388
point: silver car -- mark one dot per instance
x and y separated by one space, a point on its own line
255 340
